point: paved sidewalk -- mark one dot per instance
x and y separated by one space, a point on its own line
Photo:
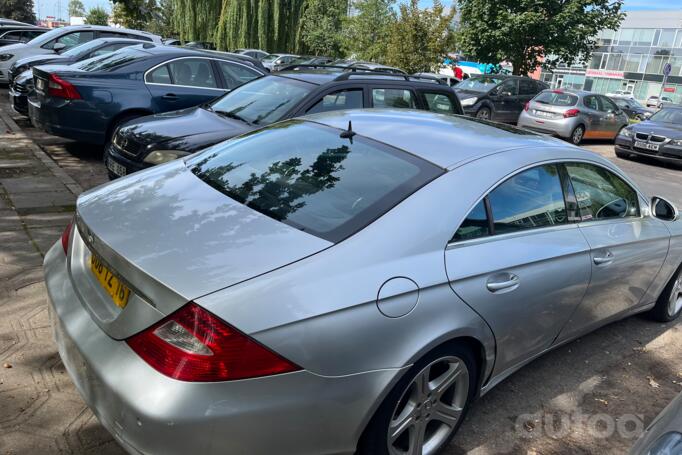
40 410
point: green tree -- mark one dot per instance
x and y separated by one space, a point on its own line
19 10
366 33
320 31
97 16
420 38
135 14
196 20
76 8
523 32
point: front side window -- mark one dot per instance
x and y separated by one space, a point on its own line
391 97
528 200
236 75
343 99
508 88
601 194
71 39
439 102
192 72
592 102
307 176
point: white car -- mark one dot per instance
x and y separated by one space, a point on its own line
62 39
620 93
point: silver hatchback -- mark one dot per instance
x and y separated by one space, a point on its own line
573 115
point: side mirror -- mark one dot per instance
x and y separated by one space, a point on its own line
58 47
664 210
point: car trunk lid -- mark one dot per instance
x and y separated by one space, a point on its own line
170 239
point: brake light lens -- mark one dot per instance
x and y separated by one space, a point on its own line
525 108
196 346
59 88
571 113
559 92
66 236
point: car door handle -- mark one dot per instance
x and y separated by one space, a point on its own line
603 260
170 97
511 283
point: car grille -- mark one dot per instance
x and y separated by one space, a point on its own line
126 145
19 88
650 137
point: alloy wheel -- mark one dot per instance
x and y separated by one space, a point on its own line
483 114
675 302
577 136
430 408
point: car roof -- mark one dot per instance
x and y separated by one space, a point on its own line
112 29
323 75
444 140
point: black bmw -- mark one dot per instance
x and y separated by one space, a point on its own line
659 137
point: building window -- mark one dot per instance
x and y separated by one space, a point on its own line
667 38
626 36
632 62
643 37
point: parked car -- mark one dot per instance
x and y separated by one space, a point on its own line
86 101
19 34
573 115
273 61
4 21
664 435
152 140
633 108
62 39
310 60
172 42
620 94
659 137
497 97
255 53
450 80
655 101
21 74
360 64
382 268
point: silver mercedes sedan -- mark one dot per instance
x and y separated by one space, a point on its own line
345 282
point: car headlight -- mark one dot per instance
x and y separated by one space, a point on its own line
468 102
677 142
163 156
5 57
626 132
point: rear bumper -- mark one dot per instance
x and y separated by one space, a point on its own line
56 120
147 412
666 153
559 127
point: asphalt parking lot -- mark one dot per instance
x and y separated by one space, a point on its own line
594 395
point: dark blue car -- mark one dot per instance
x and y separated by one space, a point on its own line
87 101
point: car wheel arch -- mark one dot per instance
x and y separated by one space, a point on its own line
473 344
128 114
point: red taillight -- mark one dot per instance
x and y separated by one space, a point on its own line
525 108
558 92
59 88
571 113
194 345
66 235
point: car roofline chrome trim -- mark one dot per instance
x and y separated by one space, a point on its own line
144 76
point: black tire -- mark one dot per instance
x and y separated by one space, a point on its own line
623 155
577 135
374 438
663 311
484 113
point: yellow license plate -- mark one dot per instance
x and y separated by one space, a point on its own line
118 291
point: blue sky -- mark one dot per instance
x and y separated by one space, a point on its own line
50 7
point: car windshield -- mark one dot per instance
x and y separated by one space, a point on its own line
270 58
113 60
262 101
479 84
673 116
307 176
556 98
82 48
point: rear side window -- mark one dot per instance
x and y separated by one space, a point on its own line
307 176
193 72
592 102
439 102
236 75
391 97
343 99
601 194
159 76
556 98
475 225
527 87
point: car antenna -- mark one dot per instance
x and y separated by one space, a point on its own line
349 133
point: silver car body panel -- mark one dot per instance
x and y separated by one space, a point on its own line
315 304
668 421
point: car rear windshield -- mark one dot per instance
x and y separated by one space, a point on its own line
263 101
479 84
307 176
113 60
556 98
